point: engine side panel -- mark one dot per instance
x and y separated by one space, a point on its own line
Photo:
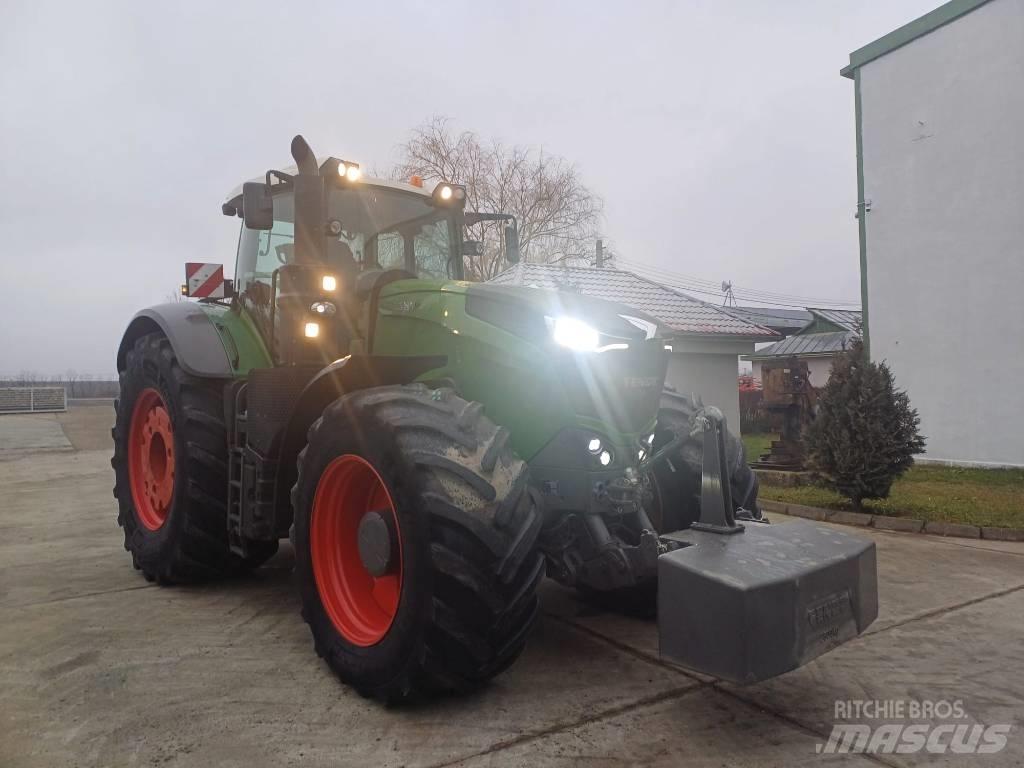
527 384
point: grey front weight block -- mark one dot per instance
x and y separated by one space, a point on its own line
750 606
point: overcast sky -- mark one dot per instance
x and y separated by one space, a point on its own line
720 134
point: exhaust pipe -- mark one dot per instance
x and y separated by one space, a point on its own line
310 243
305 160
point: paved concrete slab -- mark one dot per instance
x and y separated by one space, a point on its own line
99 668
201 677
1010 547
88 426
22 433
971 654
917 576
703 727
58 512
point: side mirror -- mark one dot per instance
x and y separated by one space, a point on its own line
512 244
257 205
472 248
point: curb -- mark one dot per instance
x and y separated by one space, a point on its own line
1002 534
960 530
889 523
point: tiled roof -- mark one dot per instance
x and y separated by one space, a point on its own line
806 344
682 313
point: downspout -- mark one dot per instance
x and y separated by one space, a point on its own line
862 209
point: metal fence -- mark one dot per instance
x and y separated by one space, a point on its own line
33 399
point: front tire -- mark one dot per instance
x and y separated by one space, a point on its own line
675 482
675 491
445 598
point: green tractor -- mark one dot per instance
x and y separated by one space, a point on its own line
435 447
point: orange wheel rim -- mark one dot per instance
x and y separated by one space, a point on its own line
361 605
151 459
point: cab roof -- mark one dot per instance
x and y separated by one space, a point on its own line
236 193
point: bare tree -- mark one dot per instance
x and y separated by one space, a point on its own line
558 216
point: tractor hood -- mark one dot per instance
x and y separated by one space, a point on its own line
529 313
568 361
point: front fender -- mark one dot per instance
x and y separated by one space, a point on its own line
349 374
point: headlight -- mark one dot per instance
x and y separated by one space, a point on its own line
575 334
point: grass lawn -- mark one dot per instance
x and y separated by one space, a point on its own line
948 494
756 444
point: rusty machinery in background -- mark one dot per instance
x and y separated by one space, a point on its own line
789 400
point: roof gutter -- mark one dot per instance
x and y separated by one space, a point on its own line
909 32
676 334
799 355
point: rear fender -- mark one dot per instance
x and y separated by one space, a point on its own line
349 374
195 340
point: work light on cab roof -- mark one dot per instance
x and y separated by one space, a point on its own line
343 170
448 194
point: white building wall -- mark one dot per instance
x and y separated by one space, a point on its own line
700 369
943 153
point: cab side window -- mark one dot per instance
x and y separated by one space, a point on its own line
260 252
432 245
390 251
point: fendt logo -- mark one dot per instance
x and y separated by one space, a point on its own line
828 612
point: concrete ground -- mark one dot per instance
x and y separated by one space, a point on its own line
99 668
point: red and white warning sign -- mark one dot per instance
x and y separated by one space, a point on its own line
204 281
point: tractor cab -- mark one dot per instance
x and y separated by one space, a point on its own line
318 242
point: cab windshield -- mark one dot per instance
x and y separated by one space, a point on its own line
381 228
390 229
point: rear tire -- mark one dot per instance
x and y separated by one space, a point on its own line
170 467
468 567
